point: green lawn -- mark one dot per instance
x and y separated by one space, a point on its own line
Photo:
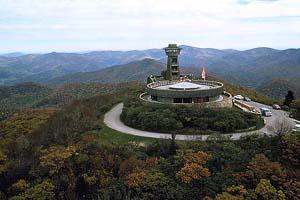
110 136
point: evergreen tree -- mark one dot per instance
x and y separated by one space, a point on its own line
289 98
173 146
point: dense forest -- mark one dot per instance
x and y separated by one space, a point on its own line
66 152
32 95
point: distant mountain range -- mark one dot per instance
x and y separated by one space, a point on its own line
135 70
12 54
255 68
41 67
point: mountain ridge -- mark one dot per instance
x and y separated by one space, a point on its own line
136 70
250 68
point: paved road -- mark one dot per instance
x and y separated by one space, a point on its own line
112 120
278 117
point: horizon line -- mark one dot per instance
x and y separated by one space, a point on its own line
126 50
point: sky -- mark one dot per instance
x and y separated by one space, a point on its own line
85 25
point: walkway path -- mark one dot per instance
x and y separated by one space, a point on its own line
112 120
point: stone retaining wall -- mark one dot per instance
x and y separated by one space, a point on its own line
226 102
215 91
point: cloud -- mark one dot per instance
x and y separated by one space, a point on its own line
74 25
245 2
273 19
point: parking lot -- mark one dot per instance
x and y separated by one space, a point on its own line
278 116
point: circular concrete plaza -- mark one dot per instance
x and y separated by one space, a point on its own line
183 86
199 92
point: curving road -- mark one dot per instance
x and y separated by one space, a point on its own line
112 120
278 116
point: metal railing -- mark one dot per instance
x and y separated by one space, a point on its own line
164 83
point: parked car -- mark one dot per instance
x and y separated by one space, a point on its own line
239 97
247 99
265 112
276 107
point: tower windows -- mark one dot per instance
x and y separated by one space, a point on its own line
175 68
174 60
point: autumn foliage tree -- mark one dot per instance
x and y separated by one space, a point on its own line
259 168
193 166
41 191
55 157
291 151
233 193
138 172
265 191
133 164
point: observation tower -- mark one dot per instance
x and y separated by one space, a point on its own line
172 87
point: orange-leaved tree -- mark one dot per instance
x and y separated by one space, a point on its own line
261 167
193 166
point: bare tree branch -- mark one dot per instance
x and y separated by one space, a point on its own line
281 127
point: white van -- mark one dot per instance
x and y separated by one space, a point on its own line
266 112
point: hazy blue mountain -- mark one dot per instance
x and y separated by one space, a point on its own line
280 64
12 54
133 71
136 70
34 67
198 57
252 53
250 68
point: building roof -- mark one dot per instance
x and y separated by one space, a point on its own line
187 86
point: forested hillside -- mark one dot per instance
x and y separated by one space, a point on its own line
68 153
31 95
278 88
